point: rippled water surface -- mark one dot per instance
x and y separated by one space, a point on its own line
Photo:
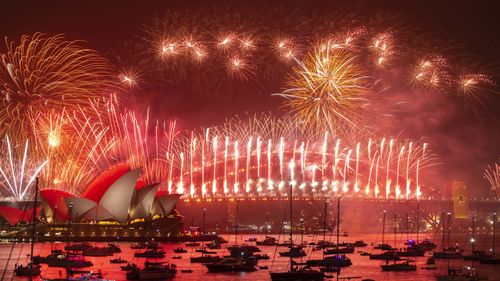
362 266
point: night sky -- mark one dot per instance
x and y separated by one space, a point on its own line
465 142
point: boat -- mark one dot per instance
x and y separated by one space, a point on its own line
295 271
244 248
363 253
339 250
407 265
78 247
156 254
118 260
213 245
30 269
477 256
192 244
99 252
359 243
261 256
205 259
114 248
302 274
27 270
345 234
153 271
129 266
411 252
335 261
263 267
69 260
383 246
180 250
450 252
389 255
466 274
430 264
203 250
294 252
84 277
268 241
426 245
324 244
72 271
53 254
138 246
176 257
447 255
230 265
251 239
186 270
492 259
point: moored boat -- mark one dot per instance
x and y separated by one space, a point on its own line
231 265
407 265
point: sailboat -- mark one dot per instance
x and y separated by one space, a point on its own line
449 252
296 273
31 269
335 260
383 246
492 259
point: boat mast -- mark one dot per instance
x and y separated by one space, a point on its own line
407 227
383 227
418 217
324 228
395 228
33 230
291 228
203 225
473 239
494 232
442 219
338 226
236 222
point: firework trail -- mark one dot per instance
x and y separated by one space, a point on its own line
492 175
17 170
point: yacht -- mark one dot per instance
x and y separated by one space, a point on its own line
407 265
99 252
294 252
339 250
72 261
180 250
359 243
152 271
28 270
389 255
78 247
157 254
231 265
268 241
118 260
335 261
204 258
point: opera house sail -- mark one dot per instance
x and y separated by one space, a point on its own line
115 205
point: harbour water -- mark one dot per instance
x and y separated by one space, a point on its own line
362 265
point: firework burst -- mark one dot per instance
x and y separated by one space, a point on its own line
328 89
44 75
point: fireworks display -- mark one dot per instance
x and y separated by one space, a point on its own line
327 89
492 175
333 80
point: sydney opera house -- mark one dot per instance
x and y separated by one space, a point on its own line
116 204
